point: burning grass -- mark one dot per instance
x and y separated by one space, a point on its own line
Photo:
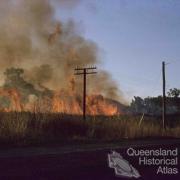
37 128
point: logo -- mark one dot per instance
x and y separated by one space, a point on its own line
121 166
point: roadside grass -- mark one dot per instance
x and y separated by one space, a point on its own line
27 128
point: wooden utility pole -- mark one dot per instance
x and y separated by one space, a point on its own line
84 72
164 96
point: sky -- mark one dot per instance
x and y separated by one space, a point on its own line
134 37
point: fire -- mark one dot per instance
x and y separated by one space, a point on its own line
46 51
61 102
98 105
23 96
14 97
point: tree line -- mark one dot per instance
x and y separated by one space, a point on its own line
153 105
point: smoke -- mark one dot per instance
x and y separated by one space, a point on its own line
47 49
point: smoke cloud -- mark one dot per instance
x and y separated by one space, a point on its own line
48 50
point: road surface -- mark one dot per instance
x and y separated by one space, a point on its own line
76 162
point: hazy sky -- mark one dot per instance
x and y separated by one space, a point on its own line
134 37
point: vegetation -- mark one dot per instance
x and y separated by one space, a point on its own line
31 128
25 128
14 79
153 105
174 93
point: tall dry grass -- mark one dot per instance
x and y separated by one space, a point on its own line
27 128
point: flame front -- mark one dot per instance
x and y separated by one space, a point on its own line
98 105
61 102
14 98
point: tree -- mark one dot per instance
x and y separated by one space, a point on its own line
174 93
14 80
137 105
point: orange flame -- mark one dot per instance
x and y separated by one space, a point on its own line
62 102
14 97
98 105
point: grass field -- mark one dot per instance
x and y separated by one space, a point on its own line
35 128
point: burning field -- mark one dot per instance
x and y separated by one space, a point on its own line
18 95
38 54
41 98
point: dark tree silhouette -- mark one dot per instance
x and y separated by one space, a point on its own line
174 93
